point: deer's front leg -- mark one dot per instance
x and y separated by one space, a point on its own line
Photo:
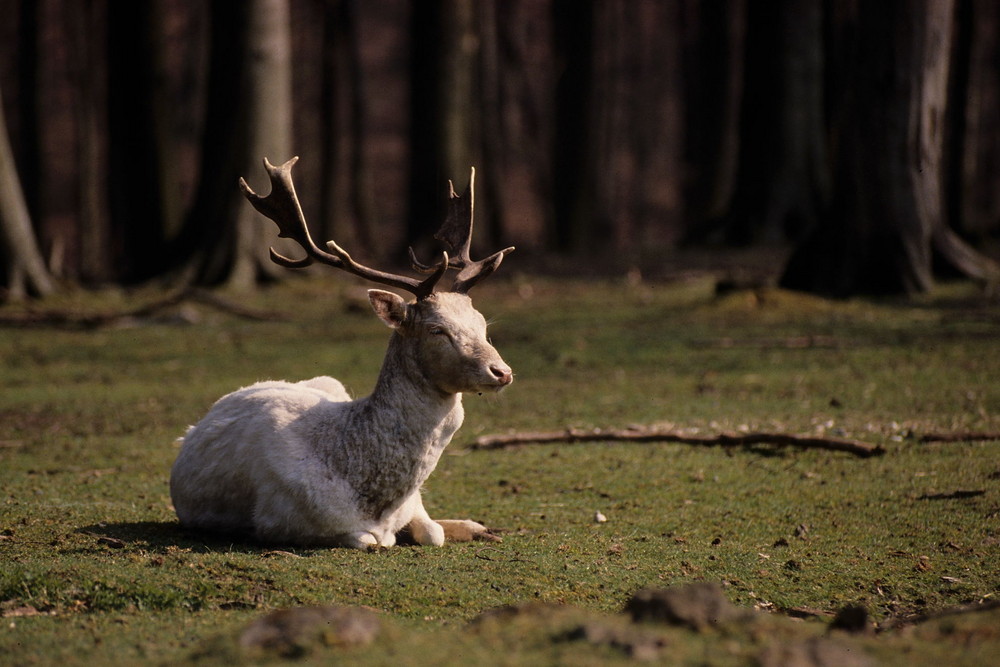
423 528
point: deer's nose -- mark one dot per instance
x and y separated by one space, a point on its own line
502 373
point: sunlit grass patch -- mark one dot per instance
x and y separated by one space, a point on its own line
95 567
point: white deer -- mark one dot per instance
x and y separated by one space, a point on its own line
302 463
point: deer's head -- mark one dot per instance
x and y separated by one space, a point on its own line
446 338
442 332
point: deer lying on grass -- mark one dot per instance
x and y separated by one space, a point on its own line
301 462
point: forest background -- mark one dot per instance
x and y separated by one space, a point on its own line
860 138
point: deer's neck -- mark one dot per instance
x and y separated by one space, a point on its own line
401 429
404 392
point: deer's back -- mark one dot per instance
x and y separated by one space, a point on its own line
247 441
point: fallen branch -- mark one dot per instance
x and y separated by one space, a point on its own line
960 436
916 619
571 435
953 495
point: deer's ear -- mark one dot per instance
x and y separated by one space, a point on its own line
390 307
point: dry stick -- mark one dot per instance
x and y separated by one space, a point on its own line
656 435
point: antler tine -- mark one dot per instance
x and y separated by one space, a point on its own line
456 232
283 208
284 211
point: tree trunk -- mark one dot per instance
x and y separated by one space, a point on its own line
144 195
976 165
459 87
26 271
247 118
204 249
443 134
782 180
654 127
26 132
886 211
518 122
573 39
490 109
363 186
714 55
343 208
94 233
631 126
270 131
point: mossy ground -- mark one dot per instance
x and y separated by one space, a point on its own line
96 569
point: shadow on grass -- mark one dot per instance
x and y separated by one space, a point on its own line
167 536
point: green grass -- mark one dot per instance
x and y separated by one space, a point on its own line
95 569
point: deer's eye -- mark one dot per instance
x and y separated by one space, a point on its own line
437 331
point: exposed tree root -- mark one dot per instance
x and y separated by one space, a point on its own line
964 258
652 434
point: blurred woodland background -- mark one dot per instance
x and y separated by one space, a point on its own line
863 137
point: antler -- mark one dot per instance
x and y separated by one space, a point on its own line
456 231
282 206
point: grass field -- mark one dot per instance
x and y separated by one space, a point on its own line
94 568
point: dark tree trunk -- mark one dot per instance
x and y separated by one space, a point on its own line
637 127
459 88
333 134
975 164
714 55
206 242
518 122
443 134
248 118
783 179
347 211
573 39
425 131
94 235
143 197
28 135
490 110
886 213
363 186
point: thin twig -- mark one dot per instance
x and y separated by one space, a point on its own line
570 435
479 554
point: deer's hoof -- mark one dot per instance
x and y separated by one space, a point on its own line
361 540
